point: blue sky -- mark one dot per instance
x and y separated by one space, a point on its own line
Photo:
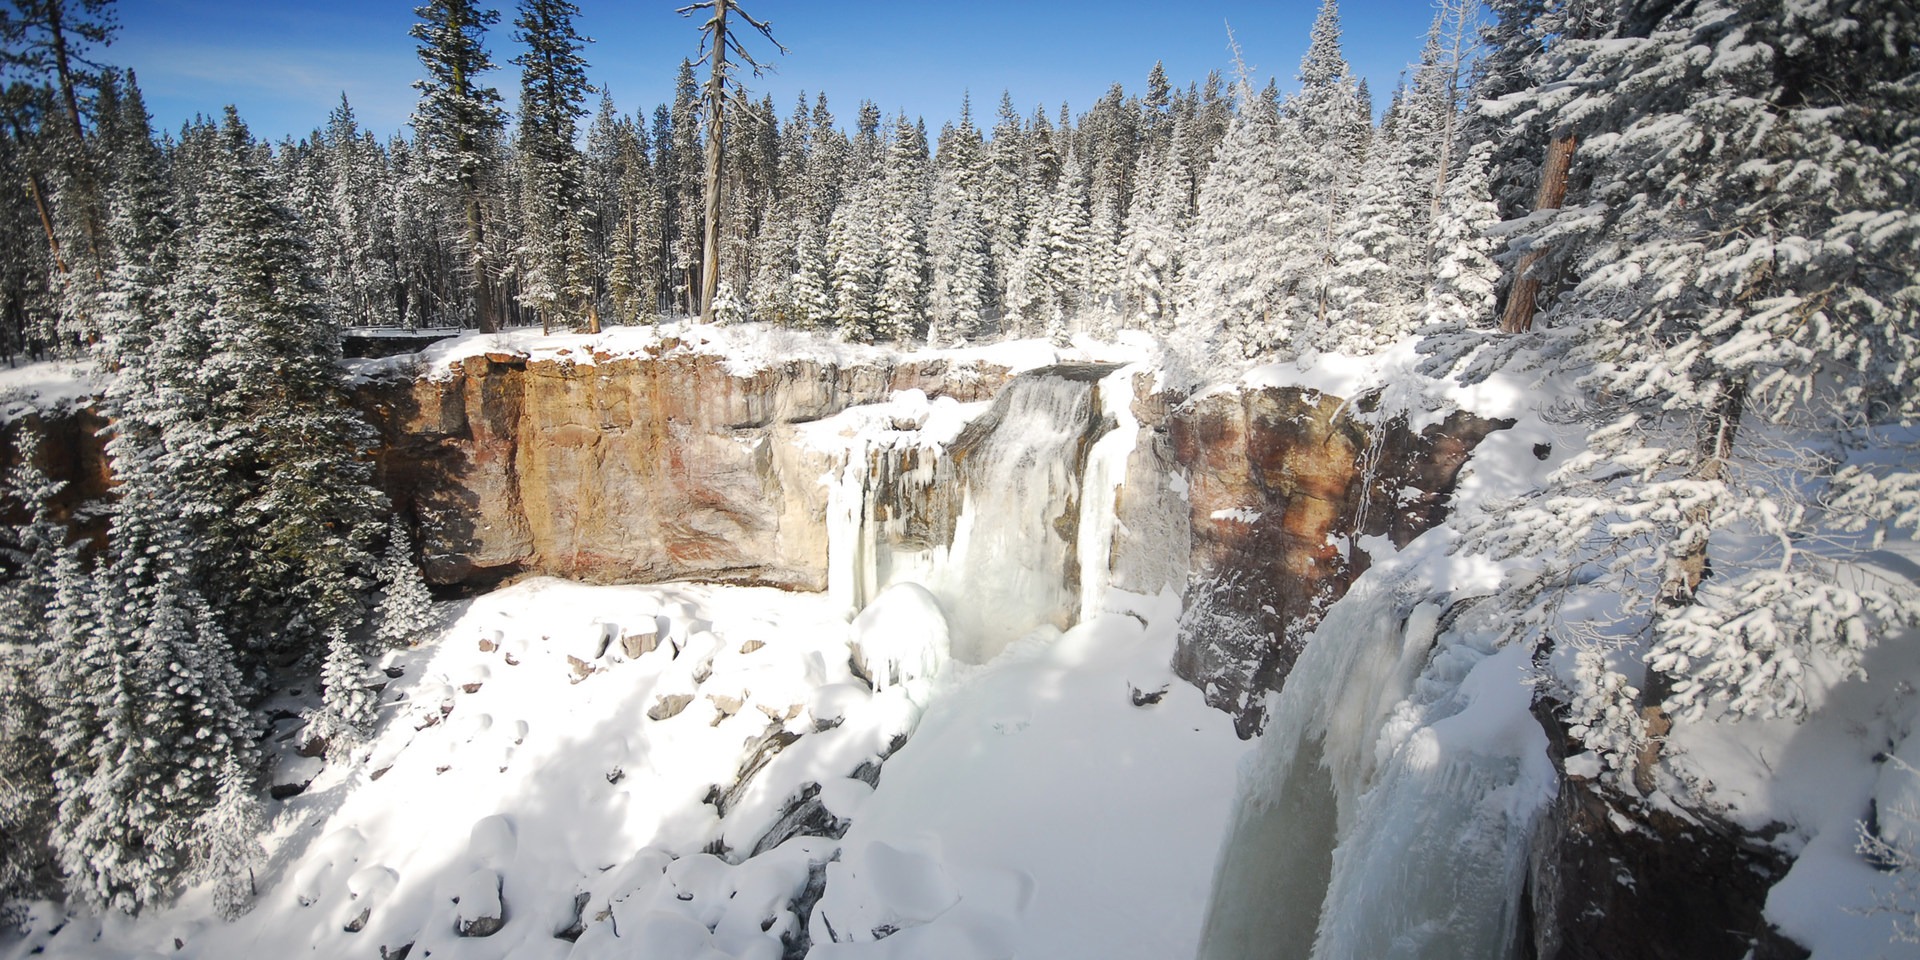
285 64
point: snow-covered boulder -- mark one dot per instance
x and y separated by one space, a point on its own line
479 911
900 637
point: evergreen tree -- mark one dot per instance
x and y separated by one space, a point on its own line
958 239
405 606
1461 291
151 697
231 831
26 764
856 256
245 416
1380 270
1753 258
813 290
458 122
1153 250
1005 209
902 298
682 171
1236 293
48 47
636 267
555 217
1333 128
354 223
349 708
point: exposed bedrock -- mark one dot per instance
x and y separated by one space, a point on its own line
625 469
1280 483
1612 876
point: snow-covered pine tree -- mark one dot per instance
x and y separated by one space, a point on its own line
1234 297
406 608
1064 262
1006 204
638 267
813 296
555 215
258 432
1333 126
600 186
1153 249
1379 272
151 702
354 226
902 297
958 240
26 764
458 122
348 708
230 834
1460 293
1746 253
47 51
822 181
681 170
775 262
855 251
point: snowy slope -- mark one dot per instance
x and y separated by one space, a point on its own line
502 773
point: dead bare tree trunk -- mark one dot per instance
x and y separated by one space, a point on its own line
37 189
1518 317
716 141
719 42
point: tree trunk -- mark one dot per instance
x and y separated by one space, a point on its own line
1688 570
485 317
1518 317
37 188
63 69
716 137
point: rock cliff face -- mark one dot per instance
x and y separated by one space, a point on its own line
624 469
1612 876
670 465
1281 482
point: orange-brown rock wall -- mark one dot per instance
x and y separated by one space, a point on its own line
624 469
1280 483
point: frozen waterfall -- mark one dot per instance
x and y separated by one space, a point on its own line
1007 520
1387 812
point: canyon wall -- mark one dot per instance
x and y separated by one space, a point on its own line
672 465
624 469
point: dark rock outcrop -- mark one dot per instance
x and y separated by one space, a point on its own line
1280 483
1613 877
71 448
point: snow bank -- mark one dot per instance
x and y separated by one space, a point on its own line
483 823
745 348
51 386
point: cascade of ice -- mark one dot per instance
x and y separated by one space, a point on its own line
1008 521
1105 472
1015 563
1386 813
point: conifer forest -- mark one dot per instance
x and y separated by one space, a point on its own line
1238 517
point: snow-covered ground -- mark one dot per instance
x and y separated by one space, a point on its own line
1036 809
46 386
